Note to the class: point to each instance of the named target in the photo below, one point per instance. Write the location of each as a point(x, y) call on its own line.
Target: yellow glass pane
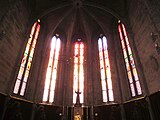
point(20, 73)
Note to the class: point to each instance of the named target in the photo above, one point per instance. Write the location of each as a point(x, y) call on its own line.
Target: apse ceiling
point(78, 18)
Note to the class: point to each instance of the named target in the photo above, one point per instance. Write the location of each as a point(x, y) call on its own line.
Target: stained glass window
point(132, 74)
point(78, 77)
point(24, 70)
point(106, 81)
point(51, 74)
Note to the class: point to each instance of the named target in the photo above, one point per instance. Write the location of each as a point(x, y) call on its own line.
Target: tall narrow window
point(78, 78)
point(106, 80)
point(51, 74)
point(133, 78)
point(24, 70)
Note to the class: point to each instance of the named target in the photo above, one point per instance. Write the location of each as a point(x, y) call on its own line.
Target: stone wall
point(144, 19)
point(13, 24)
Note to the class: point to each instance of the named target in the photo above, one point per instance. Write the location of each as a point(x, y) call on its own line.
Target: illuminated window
point(51, 74)
point(106, 80)
point(24, 70)
point(133, 78)
point(78, 77)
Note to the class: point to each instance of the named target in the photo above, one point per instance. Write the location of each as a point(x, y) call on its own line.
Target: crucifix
point(78, 104)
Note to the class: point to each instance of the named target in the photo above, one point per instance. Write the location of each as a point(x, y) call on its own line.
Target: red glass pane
point(24, 59)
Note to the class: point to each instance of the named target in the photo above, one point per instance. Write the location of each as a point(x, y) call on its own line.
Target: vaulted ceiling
point(78, 18)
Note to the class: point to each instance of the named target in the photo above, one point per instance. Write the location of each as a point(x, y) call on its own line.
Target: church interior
point(79, 60)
